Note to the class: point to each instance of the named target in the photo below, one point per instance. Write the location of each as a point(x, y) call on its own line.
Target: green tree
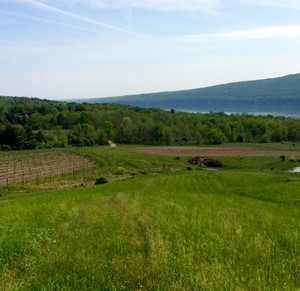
point(157, 134)
point(126, 130)
point(85, 131)
point(14, 136)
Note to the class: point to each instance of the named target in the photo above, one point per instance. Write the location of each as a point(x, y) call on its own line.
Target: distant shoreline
point(263, 113)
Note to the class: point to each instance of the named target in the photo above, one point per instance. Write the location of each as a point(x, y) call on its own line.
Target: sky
point(69, 49)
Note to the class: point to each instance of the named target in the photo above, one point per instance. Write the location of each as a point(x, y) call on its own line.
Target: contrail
point(47, 7)
point(38, 19)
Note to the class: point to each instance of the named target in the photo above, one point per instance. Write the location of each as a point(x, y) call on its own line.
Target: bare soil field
point(213, 151)
point(26, 166)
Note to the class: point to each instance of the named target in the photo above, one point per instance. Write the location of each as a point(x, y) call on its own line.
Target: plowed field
point(214, 151)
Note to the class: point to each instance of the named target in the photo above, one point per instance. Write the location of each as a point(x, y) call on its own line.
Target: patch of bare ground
point(26, 166)
point(230, 150)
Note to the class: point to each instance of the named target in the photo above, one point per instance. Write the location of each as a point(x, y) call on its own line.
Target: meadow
point(158, 224)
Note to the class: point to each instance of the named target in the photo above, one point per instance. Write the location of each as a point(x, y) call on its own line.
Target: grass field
point(155, 226)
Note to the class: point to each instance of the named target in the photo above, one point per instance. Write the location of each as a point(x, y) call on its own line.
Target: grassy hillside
point(163, 228)
point(279, 95)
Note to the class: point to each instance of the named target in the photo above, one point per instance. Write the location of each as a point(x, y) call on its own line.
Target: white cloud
point(292, 4)
point(163, 5)
point(286, 31)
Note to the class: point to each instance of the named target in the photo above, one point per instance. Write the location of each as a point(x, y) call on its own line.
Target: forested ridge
point(280, 94)
point(29, 123)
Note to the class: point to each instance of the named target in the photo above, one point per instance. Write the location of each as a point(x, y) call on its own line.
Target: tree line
point(30, 123)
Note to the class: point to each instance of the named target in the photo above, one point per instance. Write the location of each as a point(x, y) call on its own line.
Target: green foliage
point(32, 123)
point(14, 136)
point(101, 180)
point(120, 171)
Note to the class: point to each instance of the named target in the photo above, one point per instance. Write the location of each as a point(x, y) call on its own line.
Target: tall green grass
point(128, 157)
point(283, 146)
point(188, 230)
point(259, 163)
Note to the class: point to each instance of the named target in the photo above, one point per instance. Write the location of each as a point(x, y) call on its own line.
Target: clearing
point(227, 150)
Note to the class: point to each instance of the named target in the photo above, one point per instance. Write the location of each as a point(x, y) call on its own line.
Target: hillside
point(278, 95)
point(159, 223)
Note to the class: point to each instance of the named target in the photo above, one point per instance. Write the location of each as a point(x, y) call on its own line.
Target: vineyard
point(30, 165)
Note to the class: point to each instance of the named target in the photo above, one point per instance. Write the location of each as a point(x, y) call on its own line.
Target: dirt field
point(214, 151)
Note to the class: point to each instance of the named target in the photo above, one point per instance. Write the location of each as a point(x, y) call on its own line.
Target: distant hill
point(280, 95)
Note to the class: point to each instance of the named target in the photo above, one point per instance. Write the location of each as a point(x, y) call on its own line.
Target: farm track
point(213, 151)
point(21, 167)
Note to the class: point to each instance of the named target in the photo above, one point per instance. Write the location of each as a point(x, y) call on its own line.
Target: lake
point(284, 114)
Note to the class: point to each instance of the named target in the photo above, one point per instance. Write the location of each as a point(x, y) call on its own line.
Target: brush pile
point(205, 162)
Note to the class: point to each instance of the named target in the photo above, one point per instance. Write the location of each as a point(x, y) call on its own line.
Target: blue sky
point(60, 49)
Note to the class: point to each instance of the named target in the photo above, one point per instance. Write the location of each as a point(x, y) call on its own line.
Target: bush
point(101, 180)
point(133, 173)
point(5, 147)
point(120, 171)
point(144, 172)
point(282, 157)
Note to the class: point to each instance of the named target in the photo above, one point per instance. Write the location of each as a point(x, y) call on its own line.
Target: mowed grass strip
point(177, 231)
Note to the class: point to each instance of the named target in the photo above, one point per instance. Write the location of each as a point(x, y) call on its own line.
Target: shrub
point(133, 173)
point(101, 180)
point(5, 147)
point(120, 171)
point(143, 172)
point(239, 139)
point(282, 157)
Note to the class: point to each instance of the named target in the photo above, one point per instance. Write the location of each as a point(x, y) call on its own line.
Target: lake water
point(284, 114)
point(295, 170)
point(293, 115)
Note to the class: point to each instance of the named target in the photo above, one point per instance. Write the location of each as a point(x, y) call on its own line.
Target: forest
point(31, 123)
point(268, 95)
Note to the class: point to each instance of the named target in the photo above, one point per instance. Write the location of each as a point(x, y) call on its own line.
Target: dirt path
point(213, 151)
